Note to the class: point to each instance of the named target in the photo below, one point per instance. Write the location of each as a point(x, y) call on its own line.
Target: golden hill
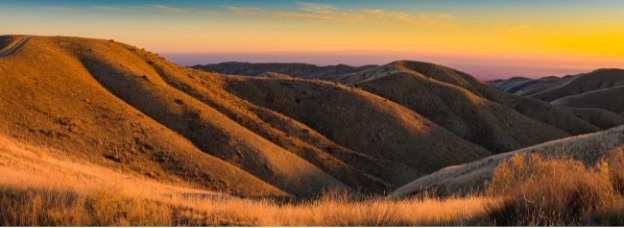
point(104, 102)
point(50, 98)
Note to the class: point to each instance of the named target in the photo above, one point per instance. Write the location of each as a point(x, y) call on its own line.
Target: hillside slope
point(526, 86)
point(57, 103)
point(470, 108)
point(360, 121)
point(105, 103)
point(463, 178)
point(607, 99)
point(29, 166)
point(596, 80)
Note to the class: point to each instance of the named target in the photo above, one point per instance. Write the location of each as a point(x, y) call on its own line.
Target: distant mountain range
point(300, 70)
point(597, 89)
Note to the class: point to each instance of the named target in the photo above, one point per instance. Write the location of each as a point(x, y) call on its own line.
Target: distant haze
point(482, 68)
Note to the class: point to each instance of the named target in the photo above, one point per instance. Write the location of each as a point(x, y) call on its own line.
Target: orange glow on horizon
point(578, 34)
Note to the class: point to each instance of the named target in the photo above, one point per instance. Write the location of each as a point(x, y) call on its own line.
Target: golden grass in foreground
point(51, 207)
point(40, 187)
point(526, 190)
point(541, 191)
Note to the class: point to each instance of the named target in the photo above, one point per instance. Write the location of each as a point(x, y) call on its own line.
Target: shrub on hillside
point(558, 191)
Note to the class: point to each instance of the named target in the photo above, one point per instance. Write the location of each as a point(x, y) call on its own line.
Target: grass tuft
point(540, 191)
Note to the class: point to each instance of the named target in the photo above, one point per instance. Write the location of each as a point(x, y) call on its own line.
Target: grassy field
point(40, 187)
point(51, 207)
point(528, 189)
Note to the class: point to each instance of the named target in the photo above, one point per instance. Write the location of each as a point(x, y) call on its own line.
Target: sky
point(488, 38)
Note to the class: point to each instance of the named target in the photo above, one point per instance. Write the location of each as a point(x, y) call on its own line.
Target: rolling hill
point(360, 121)
point(300, 70)
point(59, 104)
point(485, 116)
point(595, 89)
point(473, 109)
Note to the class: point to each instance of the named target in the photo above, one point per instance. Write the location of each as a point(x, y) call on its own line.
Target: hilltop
point(300, 70)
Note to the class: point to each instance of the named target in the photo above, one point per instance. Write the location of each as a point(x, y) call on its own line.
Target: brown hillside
point(527, 86)
point(84, 65)
point(462, 105)
point(600, 79)
point(352, 168)
point(300, 70)
point(511, 84)
point(140, 85)
point(608, 99)
point(541, 111)
point(360, 121)
point(25, 166)
point(49, 98)
point(600, 117)
point(596, 89)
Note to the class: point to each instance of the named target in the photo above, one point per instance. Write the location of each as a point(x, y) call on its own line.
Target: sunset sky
point(492, 39)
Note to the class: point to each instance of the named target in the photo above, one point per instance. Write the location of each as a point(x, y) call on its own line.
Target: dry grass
point(559, 191)
point(42, 188)
point(52, 207)
point(339, 210)
point(527, 189)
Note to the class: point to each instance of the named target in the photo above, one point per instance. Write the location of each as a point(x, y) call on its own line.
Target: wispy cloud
point(168, 9)
point(61, 8)
point(157, 8)
point(517, 30)
point(210, 12)
point(317, 8)
point(323, 12)
point(248, 11)
point(110, 8)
